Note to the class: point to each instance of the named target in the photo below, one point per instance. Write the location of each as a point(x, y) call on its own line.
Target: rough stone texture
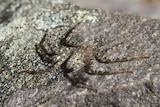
point(28, 80)
point(146, 8)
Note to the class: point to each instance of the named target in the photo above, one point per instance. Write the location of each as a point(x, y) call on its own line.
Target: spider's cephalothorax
point(73, 56)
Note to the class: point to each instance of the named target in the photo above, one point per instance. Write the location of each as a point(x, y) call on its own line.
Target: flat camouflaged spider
point(73, 58)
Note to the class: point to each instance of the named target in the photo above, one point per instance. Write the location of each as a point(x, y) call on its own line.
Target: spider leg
point(95, 72)
point(63, 40)
point(83, 85)
point(126, 59)
point(89, 67)
point(91, 71)
point(79, 82)
point(102, 59)
point(42, 52)
point(118, 45)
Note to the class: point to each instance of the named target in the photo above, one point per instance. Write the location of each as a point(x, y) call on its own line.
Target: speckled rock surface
point(33, 56)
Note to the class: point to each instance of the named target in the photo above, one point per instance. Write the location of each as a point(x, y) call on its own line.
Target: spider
point(75, 57)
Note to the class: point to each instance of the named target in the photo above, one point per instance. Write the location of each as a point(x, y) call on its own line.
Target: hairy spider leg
point(107, 61)
point(63, 40)
point(121, 59)
point(42, 52)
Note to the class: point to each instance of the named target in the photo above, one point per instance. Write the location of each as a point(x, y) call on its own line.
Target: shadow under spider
point(79, 80)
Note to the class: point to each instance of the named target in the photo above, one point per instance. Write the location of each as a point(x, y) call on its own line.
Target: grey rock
point(33, 56)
